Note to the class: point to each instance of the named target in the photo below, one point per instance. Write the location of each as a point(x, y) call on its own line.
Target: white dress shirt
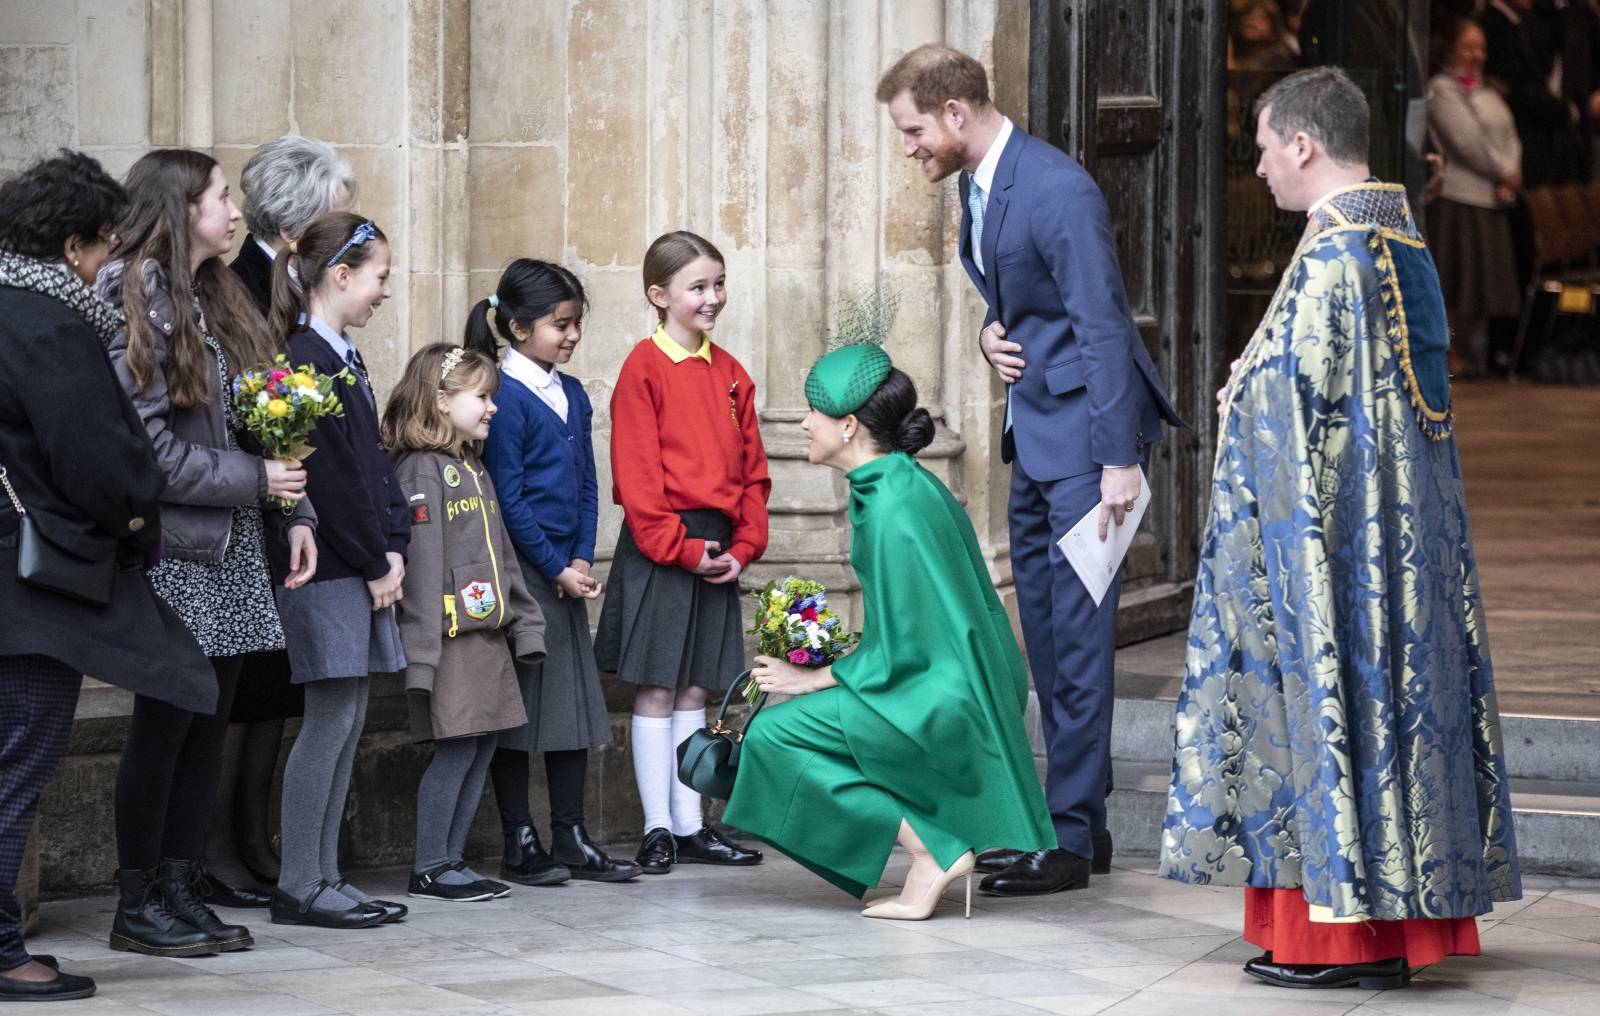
point(983, 179)
point(546, 384)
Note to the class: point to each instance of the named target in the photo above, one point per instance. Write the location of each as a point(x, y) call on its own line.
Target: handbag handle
point(720, 725)
point(21, 511)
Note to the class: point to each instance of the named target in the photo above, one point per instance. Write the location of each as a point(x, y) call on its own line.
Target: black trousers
point(168, 776)
point(564, 776)
point(38, 696)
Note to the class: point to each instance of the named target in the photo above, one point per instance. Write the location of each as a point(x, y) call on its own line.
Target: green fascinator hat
point(842, 381)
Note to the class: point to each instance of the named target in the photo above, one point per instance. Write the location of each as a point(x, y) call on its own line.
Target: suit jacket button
point(135, 524)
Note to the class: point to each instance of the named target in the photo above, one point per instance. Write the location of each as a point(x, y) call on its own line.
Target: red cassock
point(1279, 920)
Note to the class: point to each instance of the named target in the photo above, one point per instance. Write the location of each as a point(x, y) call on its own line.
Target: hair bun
point(915, 432)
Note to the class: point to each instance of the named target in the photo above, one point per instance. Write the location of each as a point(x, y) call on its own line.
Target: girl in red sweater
point(690, 473)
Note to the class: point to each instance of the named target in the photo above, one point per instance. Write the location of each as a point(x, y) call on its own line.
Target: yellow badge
point(452, 476)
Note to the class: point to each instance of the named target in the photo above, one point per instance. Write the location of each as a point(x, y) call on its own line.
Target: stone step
point(1536, 747)
point(1558, 821)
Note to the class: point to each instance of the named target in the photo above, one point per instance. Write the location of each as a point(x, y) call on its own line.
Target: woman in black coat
point(75, 458)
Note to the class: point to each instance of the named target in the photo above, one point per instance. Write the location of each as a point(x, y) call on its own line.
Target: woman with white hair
point(287, 183)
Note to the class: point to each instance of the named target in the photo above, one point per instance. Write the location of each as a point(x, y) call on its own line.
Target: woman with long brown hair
point(191, 328)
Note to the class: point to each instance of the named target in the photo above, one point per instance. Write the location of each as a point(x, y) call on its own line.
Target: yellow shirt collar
point(675, 353)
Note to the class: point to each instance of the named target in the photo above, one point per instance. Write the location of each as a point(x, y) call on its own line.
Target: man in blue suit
point(1083, 406)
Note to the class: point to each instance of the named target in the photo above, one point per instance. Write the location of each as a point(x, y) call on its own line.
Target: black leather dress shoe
point(657, 852)
point(1040, 873)
point(392, 912)
point(288, 910)
point(214, 892)
point(425, 884)
point(578, 856)
point(711, 847)
point(1372, 976)
point(1001, 858)
point(526, 862)
point(59, 988)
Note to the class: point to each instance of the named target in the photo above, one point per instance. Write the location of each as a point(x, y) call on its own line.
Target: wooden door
point(1134, 90)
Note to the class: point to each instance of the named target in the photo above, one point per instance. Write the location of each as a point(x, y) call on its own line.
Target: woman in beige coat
point(465, 610)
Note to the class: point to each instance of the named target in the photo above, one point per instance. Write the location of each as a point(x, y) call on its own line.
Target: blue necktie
point(975, 206)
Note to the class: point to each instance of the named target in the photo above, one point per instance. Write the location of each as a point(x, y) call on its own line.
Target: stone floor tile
point(755, 1002)
point(1022, 983)
point(890, 991)
point(678, 980)
point(549, 987)
point(629, 1005)
point(602, 960)
point(488, 967)
point(1585, 929)
point(969, 1007)
point(237, 1002)
point(1086, 1004)
point(1536, 947)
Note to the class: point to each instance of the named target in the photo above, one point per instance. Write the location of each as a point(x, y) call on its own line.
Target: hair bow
point(363, 233)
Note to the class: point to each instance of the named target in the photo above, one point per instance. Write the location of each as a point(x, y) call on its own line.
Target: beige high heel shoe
point(922, 909)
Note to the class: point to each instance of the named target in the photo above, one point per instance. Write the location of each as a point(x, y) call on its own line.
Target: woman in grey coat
point(190, 329)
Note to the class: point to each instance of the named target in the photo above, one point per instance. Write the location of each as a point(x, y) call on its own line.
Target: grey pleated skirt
point(668, 627)
point(566, 708)
point(333, 631)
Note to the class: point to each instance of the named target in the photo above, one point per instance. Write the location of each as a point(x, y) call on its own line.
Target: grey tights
point(316, 782)
point(447, 801)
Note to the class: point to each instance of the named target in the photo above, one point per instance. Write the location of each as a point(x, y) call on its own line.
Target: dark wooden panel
point(1129, 183)
point(1124, 40)
point(1127, 124)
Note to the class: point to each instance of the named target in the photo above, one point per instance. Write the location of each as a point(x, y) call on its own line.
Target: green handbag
point(708, 759)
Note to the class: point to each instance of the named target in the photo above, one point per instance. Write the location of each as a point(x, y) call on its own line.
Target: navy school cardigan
point(543, 472)
point(361, 510)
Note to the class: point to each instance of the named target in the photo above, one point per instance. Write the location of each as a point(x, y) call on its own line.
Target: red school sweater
point(684, 435)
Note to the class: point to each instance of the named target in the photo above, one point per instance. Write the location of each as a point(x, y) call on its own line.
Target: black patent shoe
point(526, 862)
point(426, 885)
point(288, 910)
point(583, 860)
point(214, 892)
point(1040, 873)
point(1381, 976)
point(392, 912)
point(146, 922)
point(180, 880)
point(708, 846)
point(657, 852)
point(59, 988)
point(1001, 858)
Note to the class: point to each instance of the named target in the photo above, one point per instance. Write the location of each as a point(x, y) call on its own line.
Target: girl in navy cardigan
point(341, 627)
point(541, 459)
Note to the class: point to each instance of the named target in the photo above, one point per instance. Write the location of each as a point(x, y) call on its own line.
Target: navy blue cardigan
point(361, 510)
point(543, 472)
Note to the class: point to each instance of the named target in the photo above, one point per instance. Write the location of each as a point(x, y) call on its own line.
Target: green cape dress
point(927, 720)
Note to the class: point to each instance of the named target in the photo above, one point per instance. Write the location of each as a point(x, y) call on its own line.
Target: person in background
point(1469, 223)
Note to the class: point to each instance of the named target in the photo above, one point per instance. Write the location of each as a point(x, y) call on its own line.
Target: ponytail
point(479, 339)
point(288, 299)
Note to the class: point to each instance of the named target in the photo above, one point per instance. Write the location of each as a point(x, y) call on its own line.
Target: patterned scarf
point(57, 281)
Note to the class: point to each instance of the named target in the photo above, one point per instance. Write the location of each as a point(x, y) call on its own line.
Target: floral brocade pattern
point(1337, 729)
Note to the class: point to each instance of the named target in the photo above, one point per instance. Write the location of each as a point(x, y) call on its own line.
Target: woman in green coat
point(917, 736)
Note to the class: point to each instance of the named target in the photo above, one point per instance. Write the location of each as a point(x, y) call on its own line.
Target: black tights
point(168, 775)
point(564, 774)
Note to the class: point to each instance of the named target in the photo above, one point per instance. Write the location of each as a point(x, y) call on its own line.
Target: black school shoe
point(1001, 858)
point(214, 892)
point(657, 852)
point(59, 988)
point(286, 909)
point(1381, 976)
point(579, 856)
point(708, 846)
point(526, 862)
point(392, 912)
point(424, 885)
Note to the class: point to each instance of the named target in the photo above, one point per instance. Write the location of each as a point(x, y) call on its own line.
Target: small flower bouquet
point(280, 405)
point(794, 622)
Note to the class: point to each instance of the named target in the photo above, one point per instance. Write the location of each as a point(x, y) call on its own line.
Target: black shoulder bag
point(44, 565)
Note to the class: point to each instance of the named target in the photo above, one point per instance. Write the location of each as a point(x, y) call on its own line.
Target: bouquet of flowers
point(794, 621)
point(280, 405)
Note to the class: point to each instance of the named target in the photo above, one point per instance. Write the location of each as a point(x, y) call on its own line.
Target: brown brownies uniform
point(466, 611)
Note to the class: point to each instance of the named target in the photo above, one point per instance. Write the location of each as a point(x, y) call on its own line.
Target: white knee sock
point(687, 818)
point(654, 768)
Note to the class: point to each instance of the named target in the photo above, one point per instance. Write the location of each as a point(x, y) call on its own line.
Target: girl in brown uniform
point(464, 595)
